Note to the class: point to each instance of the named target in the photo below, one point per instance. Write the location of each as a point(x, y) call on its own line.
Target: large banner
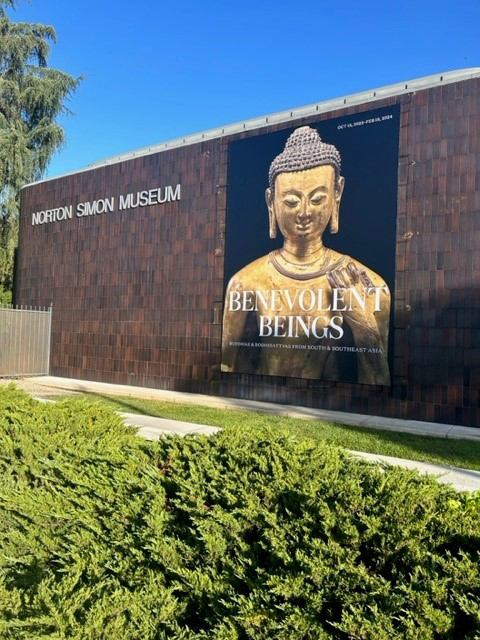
point(310, 250)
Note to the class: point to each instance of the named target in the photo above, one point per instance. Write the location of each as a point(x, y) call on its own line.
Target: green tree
point(32, 96)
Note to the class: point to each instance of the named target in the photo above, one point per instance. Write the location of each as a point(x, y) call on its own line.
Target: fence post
point(49, 337)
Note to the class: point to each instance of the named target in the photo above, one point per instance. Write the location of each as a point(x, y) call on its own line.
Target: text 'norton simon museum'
point(325, 257)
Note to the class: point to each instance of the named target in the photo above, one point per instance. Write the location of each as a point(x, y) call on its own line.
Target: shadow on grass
point(121, 405)
point(451, 452)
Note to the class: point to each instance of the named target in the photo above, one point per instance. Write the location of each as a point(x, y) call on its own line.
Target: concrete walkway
point(49, 386)
point(153, 428)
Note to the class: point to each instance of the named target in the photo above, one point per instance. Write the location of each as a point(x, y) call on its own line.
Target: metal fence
point(24, 341)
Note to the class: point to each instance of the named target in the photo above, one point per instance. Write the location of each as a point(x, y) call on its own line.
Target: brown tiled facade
point(138, 294)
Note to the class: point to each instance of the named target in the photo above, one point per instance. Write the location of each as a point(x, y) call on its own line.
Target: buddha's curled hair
point(304, 150)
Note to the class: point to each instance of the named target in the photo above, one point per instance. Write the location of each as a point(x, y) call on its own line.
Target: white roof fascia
point(362, 97)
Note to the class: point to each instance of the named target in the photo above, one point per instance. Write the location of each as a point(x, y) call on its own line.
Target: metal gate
point(25, 341)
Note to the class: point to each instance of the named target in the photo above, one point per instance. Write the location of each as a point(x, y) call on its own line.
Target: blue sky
point(154, 70)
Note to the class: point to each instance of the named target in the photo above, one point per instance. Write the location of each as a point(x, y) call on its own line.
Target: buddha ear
point(339, 185)
point(272, 218)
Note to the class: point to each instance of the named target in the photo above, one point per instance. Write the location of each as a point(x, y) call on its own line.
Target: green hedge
point(253, 535)
point(5, 297)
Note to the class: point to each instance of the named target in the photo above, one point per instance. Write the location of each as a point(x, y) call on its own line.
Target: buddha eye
point(317, 199)
point(291, 202)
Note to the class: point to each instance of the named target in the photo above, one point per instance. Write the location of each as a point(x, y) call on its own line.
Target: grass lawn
point(458, 453)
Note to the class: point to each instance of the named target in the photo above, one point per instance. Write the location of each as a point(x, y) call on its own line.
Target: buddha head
point(305, 187)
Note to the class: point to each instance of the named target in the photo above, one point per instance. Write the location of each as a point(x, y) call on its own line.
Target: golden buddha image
point(305, 310)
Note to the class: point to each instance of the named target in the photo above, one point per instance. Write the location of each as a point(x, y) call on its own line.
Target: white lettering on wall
point(145, 198)
point(52, 215)
point(95, 207)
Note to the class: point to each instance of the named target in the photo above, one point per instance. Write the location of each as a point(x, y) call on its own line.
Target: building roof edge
point(370, 95)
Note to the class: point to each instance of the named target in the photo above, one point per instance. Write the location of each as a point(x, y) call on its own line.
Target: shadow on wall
point(443, 352)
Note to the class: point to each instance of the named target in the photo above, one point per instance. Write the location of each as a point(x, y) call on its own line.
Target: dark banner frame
point(368, 145)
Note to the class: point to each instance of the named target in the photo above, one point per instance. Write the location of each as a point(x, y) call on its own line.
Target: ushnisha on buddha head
point(305, 188)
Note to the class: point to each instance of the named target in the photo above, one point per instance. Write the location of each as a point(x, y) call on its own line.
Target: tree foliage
point(32, 96)
point(246, 534)
point(6, 3)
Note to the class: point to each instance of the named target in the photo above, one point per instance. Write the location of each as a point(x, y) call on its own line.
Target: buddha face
point(304, 202)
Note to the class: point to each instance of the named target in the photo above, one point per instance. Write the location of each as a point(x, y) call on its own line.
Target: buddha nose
point(303, 213)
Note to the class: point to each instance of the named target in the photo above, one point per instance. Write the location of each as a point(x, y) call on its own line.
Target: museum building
point(325, 256)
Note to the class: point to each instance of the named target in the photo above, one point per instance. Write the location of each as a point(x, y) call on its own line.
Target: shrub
point(5, 297)
point(236, 536)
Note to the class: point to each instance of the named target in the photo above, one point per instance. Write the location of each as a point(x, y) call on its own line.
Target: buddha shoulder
point(252, 275)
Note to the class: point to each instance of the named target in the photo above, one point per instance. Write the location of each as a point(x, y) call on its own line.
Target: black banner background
point(368, 145)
